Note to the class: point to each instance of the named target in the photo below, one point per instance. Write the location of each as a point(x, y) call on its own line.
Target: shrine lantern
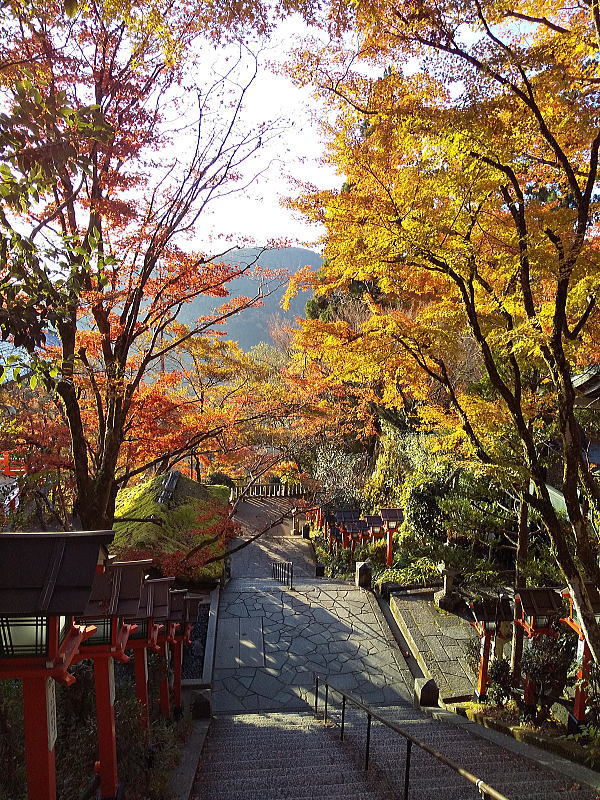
point(45, 581)
point(535, 611)
point(375, 526)
point(490, 613)
point(584, 656)
point(115, 596)
point(342, 519)
point(184, 610)
point(355, 530)
point(150, 619)
point(392, 517)
point(538, 608)
point(162, 613)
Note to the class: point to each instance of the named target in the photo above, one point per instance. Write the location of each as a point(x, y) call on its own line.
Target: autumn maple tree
point(468, 216)
point(98, 209)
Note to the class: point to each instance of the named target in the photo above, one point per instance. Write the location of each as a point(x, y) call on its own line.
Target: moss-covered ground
point(184, 521)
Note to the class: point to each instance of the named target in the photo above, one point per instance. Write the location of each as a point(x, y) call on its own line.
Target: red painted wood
point(105, 716)
point(41, 766)
point(177, 655)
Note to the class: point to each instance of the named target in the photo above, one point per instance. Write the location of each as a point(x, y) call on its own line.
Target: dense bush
point(548, 662)
point(500, 687)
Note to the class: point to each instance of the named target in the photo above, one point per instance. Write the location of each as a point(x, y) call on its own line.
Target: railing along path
point(283, 571)
point(485, 790)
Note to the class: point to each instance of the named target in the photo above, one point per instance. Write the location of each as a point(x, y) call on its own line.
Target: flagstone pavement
point(272, 640)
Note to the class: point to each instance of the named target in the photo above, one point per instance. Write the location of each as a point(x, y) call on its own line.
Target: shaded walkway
point(271, 640)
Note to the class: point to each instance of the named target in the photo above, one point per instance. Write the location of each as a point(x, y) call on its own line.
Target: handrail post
point(326, 700)
point(316, 695)
point(368, 743)
point(407, 768)
point(343, 717)
point(291, 574)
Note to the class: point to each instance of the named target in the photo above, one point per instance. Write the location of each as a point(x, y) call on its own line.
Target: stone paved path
point(271, 640)
point(277, 544)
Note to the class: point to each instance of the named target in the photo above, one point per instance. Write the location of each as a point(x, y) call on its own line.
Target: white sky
point(257, 213)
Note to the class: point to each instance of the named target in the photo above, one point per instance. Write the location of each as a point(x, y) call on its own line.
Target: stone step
point(346, 791)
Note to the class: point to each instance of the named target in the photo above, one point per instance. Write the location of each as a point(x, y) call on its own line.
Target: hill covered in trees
point(252, 326)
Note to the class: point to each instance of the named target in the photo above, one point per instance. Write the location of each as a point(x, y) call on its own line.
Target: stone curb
point(183, 776)
point(394, 646)
point(548, 761)
point(209, 648)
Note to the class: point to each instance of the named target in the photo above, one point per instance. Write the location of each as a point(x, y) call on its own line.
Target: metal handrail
point(283, 571)
point(485, 790)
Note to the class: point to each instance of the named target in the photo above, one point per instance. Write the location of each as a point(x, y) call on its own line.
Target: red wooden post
point(165, 692)
point(140, 667)
point(389, 556)
point(482, 678)
point(344, 536)
point(104, 678)
point(177, 654)
point(39, 710)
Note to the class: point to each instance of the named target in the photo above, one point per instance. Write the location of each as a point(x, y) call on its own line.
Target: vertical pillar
point(39, 712)
point(177, 655)
point(140, 668)
point(165, 692)
point(104, 678)
point(484, 659)
point(344, 537)
point(578, 715)
point(389, 555)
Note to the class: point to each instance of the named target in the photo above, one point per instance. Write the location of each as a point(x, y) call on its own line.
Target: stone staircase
point(278, 756)
point(293, 756)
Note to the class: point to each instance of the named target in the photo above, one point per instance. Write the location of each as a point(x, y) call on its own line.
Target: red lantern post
point(392, 517)
point(577, 717)
point(115, 595)
point(535, 610)
point(154, 606)
point(489, 613)
point(45, 580)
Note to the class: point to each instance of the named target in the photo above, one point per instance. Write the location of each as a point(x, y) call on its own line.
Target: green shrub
point(500, 686)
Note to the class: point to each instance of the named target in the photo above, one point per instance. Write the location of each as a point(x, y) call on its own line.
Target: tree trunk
point(521, 562)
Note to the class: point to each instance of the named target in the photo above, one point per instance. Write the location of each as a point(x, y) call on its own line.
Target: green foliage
point(193, 507)
point(12, 747)
point(220, 479)
point(500, 687)
point(548, 662)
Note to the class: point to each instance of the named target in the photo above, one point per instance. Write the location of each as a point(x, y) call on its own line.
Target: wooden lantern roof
point(346, 516)
point(391, 514)
point(49, 574)
point(155, 599)
point(540, 602)
point(593, 593)
point(492, 609)
point(356, 526)
point(374, 520)
point(117, 590)
point(177, 605)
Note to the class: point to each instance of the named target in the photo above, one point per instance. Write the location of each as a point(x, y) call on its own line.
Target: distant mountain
point(252, 326)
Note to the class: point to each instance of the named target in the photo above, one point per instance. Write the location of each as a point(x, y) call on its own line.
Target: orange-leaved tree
point(102, 210)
